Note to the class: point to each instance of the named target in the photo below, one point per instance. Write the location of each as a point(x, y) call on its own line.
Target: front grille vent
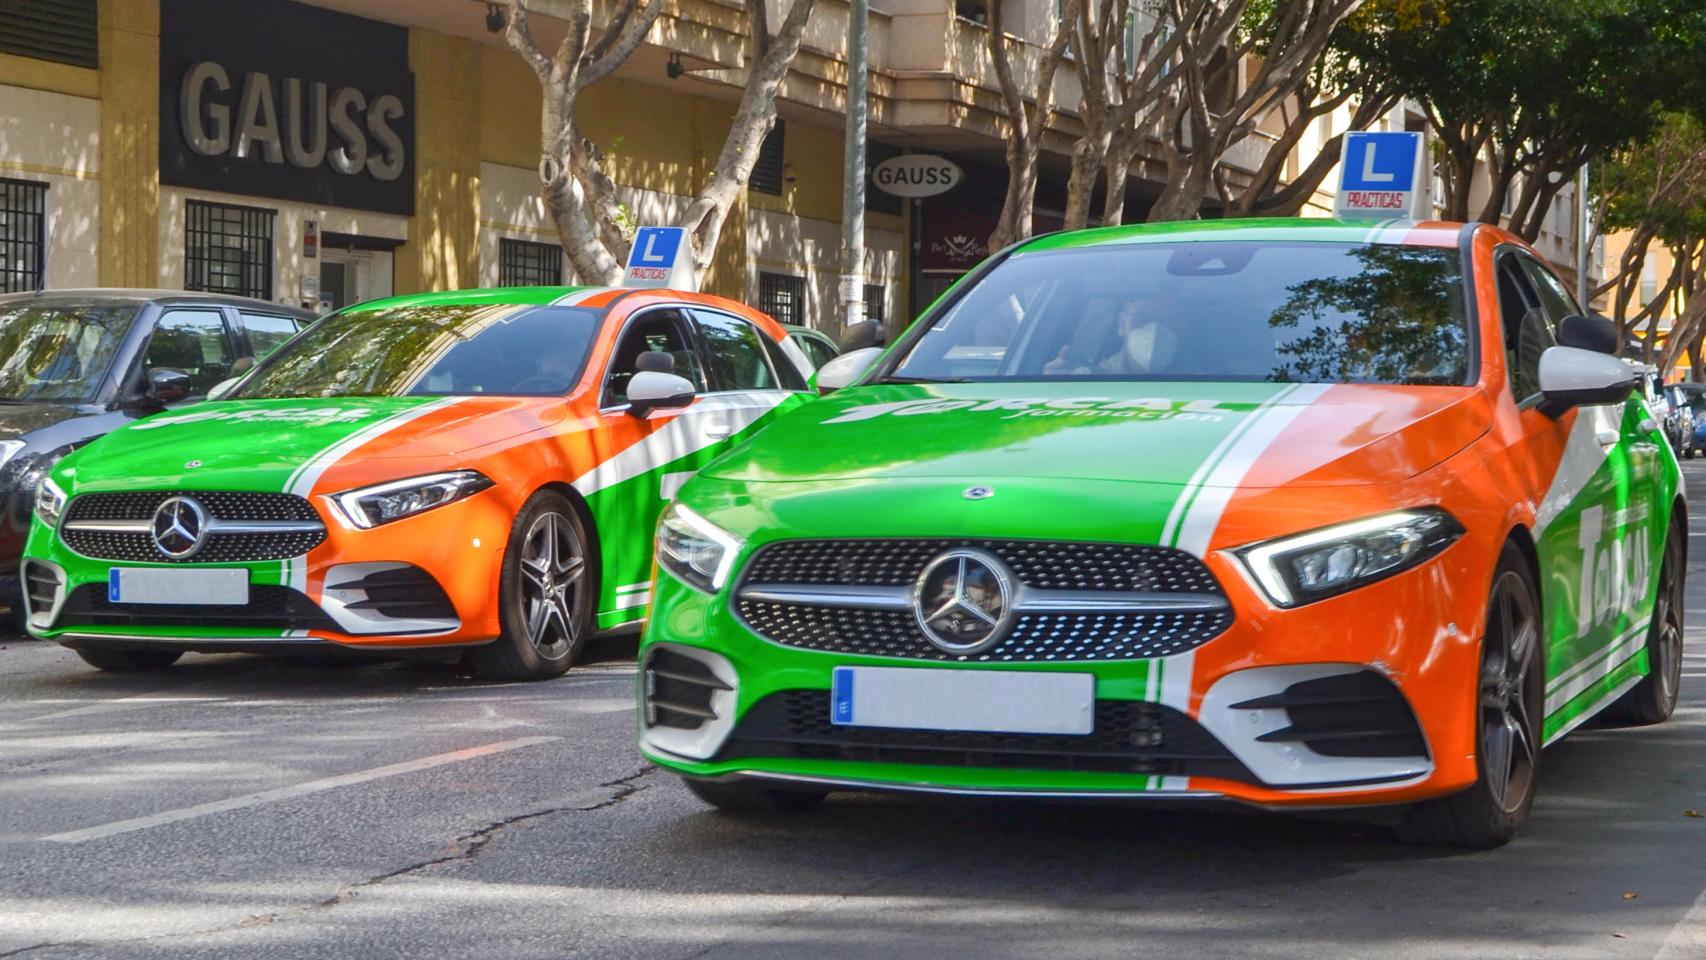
point(400, 593)
point(1359, 714)
point(680, 691)
point(41, 584)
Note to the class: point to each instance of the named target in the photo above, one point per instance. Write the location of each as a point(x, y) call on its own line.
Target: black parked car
point(75, 364)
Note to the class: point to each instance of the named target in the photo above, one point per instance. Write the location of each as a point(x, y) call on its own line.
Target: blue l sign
point(656, 246)
point(1379, 176)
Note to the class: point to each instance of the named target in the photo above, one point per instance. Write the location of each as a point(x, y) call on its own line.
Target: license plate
point(155, 585)
point(974, 700)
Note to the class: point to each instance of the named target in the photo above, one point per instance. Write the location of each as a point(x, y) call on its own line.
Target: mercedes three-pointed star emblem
point(179, 527)
point(964, 601)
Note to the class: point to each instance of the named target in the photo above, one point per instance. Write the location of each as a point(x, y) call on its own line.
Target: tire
point(1509, 710)
point(752, 798)
point(547, 593)
point(1653, 700)
point(128, 661)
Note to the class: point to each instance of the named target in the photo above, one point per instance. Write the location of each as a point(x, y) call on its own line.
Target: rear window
point(58, 353)
point(1234, 311)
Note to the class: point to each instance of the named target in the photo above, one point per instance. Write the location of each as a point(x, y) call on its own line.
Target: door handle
point(718, 431)
point(1606, 438)
point(1647, 426)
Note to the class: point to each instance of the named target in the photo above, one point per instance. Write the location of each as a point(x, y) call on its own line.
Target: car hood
point(17, 419)
point(262, 444)
point(1168, 433)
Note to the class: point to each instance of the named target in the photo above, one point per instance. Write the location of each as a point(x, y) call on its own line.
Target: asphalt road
point(242, 807)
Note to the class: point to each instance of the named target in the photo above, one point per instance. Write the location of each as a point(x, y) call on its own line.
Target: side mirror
point(165, 385)
point(1572, 377)
point(868, 333)
point(1588, 333)
point(222, 388)
point(651, 390)
point(846, 368)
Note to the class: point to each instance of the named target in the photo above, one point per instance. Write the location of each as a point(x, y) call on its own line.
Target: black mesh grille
point(679, 690)
point(42, 583)
point(1129, 737)
point(219, 548)
point(403, 593)
point(1035, 637)
point(268, 607)
point(1359, 714)
point(1042, 564)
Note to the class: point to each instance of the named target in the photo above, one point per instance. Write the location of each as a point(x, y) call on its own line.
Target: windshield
point(1237, 311)
point(58, 353)
point(443, 350)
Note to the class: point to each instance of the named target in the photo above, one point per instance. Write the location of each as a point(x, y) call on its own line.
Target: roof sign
point(1384, 175)
point(660, 257)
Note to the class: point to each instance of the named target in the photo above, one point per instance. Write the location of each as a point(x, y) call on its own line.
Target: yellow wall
point(443, 252)
point(129, 89)
point(18, 71)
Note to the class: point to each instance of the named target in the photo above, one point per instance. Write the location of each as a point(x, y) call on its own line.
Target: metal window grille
point(23, 234)
point(782, 296)
point(874, 302)
point(63, 31)
point(228, 249)
point(523, 263)
point(767, 171)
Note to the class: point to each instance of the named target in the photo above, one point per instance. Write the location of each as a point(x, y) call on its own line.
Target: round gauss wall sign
point(916, 175)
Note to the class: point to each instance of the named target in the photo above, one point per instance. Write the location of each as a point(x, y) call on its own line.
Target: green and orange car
point(469, 473)
point(1294, 513)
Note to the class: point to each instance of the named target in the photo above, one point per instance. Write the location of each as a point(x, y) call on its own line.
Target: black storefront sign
point(272, 98)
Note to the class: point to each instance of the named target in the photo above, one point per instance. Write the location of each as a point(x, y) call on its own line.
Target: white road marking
point(110, 706)
point(288, 793)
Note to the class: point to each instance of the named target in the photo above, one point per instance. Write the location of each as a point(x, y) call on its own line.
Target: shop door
point(351, 276)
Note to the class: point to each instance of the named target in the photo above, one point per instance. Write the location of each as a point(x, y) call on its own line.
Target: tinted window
point(816, 350)
point(267, 332)
point(660, 331)
point(1236, 311)
point(1528, 329)
point(193, 341)
point(1553, 297)
point(439, 350)
point(787, 374)
point(58, 353)
point(737, 358)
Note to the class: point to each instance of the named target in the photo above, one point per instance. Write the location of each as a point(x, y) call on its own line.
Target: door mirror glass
point(1588, 333)
point(1571, 376)
point(846, 368)
point(651, 390)
point(166, 385)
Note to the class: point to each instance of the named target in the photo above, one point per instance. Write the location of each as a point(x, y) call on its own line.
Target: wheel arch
point(1679, 521)
point(1523, 538)
point(595, 544)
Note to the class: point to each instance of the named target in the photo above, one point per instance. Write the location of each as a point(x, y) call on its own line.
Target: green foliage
point(1659, 184)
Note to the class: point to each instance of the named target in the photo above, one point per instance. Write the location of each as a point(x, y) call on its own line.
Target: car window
point(467, 349)
point(59, 352)
point(787, 373)
point(818, 352)
point(1556, 300)
point(267, 332)
point(1528, 330)
point(195, 342)
point(658, 331)
point(1263, 311)
point(738, 360)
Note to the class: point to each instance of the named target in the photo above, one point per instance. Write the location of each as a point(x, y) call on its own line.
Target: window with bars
point(63, 31)
point(228, 249)
point(523, 263)
point(23, 234)
point(783, 297)
point(767, 170)
point(874, 301)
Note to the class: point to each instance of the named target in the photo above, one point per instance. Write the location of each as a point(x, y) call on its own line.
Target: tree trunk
point(1122, 149)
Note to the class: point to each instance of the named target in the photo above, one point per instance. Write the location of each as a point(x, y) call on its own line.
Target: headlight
point(50, 502)
point(695, 549)
point(1307, 567)
point(368, 507)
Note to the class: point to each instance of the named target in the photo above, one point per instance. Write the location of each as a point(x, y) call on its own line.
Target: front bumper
point(1269, 713)
point(428, 581)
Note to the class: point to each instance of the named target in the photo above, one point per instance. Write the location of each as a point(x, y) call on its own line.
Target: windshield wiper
point(893, 379)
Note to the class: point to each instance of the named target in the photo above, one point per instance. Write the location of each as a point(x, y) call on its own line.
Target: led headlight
point(382, 503)
point(1311, 566)
point(694, 549)
point(50, 502)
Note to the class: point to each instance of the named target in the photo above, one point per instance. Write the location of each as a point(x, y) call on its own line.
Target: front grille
point(401, 593)
point(138, 547)
point(1129, 737)
point(269, 607)
point(1080, 568)
point(1360, 714)
point(679, 691)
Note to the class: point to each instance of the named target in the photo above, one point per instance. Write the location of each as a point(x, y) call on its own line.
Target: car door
point(196, 340)
point(1601, 534)
point(751, 376)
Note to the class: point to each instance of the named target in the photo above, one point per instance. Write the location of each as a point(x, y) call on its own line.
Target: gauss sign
point(916, 175)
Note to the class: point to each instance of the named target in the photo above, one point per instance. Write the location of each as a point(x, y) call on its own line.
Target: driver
point(1144, 344)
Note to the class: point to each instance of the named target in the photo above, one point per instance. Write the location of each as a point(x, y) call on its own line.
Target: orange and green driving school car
point(478, 471)
point(1295, 513)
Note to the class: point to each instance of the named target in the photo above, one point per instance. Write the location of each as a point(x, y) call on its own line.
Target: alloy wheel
point(1509, 711)
point(1667, 652)
point(552, 565)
